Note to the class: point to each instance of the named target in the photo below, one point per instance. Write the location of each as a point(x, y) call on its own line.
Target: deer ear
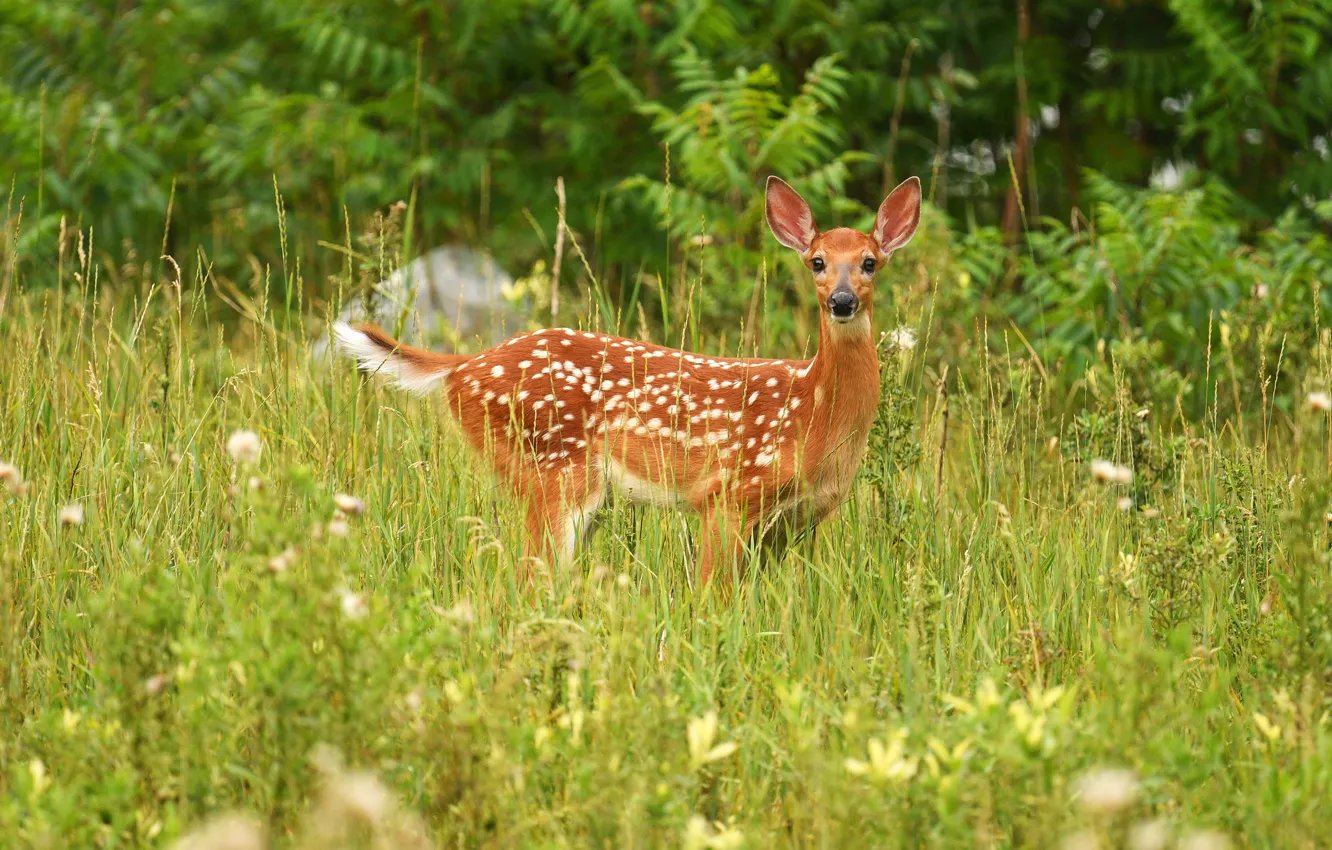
point(898, 216)
point(789, 217)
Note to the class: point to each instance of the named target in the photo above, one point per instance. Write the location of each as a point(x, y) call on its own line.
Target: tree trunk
point(1022, 142)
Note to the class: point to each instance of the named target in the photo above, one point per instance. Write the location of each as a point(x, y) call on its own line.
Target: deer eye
point(868, 266)
point(817, 264)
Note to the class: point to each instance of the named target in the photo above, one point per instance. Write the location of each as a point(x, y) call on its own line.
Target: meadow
point(252, 598)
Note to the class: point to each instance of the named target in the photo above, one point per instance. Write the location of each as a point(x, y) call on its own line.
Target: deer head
point(844, 260)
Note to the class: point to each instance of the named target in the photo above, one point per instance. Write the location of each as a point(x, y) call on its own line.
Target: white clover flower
point(245, 447)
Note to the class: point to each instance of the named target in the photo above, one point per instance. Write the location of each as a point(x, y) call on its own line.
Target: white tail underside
point(374, 359)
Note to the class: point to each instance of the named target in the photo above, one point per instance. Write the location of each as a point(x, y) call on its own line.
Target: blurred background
point(1142, 172)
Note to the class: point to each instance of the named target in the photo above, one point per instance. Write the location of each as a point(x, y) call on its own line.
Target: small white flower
point(1260, 291)
point(244, 447)
point(337, 528)
point(622, 579)
point(1108, 791)
point(71, 514)
point(1320, 402)
point(156, 684)
point(348, 504)
point(1125, 503)
point(353, 606)
point(902, 339)
point(1106, 472)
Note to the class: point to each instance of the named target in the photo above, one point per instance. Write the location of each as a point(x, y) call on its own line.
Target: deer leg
point(561, 510)
point(721, 546)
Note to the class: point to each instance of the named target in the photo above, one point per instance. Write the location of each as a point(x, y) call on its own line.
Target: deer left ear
point(898, 216)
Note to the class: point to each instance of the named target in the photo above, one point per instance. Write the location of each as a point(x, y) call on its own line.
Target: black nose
point(843, 303)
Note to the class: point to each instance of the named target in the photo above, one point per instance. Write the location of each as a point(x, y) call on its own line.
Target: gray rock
point(452, 292)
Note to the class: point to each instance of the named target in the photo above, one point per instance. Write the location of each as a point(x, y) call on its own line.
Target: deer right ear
point(789, 217)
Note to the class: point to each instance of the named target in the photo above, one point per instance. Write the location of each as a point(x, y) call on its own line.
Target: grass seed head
point(245, 447)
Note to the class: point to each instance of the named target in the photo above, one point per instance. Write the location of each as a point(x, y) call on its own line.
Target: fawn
point(758, 447)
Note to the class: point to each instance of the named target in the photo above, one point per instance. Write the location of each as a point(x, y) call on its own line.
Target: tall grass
point(963, 656)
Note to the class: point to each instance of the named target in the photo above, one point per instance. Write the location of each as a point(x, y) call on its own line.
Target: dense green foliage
point(116, 115)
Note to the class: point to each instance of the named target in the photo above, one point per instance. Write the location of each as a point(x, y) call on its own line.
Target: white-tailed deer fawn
point(567, 416)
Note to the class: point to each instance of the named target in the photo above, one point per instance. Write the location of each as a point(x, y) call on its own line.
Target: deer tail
point(412, 369)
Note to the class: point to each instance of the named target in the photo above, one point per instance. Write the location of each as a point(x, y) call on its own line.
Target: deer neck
point(844, 384)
